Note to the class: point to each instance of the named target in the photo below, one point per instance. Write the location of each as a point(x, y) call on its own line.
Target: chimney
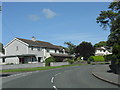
point(33, 38)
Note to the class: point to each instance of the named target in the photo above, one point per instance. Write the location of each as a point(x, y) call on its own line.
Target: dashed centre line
point(52, 79)
point(55, 87)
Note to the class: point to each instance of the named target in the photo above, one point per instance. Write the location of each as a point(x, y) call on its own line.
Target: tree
point(100, 44)
point(1, 48)
point(0, 8)
point(111, 19)
point(85, 49)
point(71, 47)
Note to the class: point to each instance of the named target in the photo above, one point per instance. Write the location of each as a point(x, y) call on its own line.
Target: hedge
point(48, 60)
point(96, 58)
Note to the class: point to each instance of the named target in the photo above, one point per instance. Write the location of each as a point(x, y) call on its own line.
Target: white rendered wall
point(14, 60)
point(11, 48)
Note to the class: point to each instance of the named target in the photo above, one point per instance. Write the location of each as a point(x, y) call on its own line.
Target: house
point(20, 51)
point(101, 51)
point(2, 61)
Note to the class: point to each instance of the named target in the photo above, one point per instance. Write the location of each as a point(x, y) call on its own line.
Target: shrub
point(96, 59)
point(79, 59)
point(70, 61)
point(9, 63)
point(108, 57)
point(48, 60)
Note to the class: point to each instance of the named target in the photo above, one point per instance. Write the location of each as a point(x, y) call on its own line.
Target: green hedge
point(108, 57)
point(48, 60)
point(96, 59)
point(71, 61)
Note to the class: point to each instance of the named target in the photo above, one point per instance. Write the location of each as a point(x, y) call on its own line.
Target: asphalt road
point(69, 77)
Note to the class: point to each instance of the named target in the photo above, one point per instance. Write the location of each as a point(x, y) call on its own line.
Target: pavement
point(101, 72)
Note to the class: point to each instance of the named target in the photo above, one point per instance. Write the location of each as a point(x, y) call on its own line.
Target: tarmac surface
point(102, 72)
point(69, 77)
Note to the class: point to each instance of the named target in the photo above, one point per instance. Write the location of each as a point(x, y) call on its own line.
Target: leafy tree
point(85, 49)
point(1, 48)
point(48, 60)
point(0, 8)
point(71, 47)
point(100, 44)
point(111, 19)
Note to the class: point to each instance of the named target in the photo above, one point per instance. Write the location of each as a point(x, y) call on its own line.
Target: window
point(3, 60)
point(55, 51)
point(39, 59)
point(32, 59)
point(39, 49)
point(16, 48)
point(31, 48)
point(48, 50)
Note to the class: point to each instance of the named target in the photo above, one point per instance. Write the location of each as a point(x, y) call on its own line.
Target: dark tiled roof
point(100, 49)
point(59, 55)
point(40, 44)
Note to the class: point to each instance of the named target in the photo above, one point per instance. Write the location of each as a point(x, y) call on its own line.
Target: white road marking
point(57, 74)
point(52, 79)
point(55, 87)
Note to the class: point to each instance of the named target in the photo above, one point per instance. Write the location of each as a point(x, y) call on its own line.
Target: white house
point(103, 51)
point(2, 61)
point(20, 51)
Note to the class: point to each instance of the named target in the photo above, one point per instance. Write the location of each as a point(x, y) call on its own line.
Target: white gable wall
point(11, 49)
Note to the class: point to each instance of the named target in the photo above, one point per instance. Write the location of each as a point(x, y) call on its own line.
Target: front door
point(39, 59)
point(21, 60)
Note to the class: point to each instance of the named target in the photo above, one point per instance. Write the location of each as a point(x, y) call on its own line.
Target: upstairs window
point(39, 49)
point(48, 50)
point(55, 51)
point(31, 48)
point(16, 48)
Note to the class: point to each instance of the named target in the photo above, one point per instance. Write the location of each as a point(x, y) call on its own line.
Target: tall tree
point(85, 49)
point(0, 8)
point(1, 48)
point(71, 47)
point(100, 44)
point(111, 19)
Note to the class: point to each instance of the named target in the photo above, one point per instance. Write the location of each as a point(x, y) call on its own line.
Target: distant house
point(101, 51)
point(20, 51)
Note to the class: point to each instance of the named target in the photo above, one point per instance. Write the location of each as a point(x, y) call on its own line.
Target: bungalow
point(20, 51)
point(101, 51)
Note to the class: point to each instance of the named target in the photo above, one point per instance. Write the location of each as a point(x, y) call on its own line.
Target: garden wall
point(59, 63)
point(18, 66)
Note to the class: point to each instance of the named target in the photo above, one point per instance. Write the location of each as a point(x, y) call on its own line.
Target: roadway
point(69, 77)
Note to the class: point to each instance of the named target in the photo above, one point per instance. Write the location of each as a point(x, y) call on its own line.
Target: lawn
point(38, 68)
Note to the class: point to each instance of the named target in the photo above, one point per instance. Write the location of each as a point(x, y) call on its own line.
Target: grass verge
point(38, 68)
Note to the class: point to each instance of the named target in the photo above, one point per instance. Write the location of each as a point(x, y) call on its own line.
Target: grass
point(38, 68)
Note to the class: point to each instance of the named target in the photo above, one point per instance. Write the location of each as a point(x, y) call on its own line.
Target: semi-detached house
point(20, 51)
